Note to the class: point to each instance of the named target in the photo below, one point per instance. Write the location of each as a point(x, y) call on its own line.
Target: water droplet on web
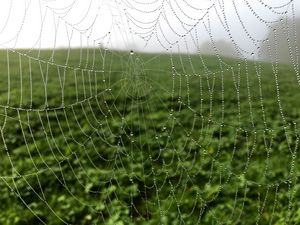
point(131, 52)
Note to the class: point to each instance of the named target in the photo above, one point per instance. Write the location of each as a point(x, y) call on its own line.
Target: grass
point(104, 137)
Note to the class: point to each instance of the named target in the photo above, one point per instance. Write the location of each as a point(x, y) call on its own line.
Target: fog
point(283, 42)
point(235, 28)
point(220, 47)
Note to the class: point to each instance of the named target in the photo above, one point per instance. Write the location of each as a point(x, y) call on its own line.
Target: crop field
point(95, 136)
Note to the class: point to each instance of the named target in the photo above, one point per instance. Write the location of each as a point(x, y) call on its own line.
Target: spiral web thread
point(160, 138)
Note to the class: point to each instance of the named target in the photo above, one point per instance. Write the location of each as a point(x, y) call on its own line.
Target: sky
point(140, 25)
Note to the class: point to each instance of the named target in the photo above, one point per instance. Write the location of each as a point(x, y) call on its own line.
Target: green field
point(90, 136)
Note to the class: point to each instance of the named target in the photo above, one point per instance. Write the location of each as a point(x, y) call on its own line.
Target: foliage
point(147, 139)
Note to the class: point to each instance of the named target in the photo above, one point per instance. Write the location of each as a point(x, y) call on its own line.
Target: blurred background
point(229, 28)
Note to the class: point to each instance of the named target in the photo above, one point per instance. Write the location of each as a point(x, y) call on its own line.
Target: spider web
point(136, 112)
